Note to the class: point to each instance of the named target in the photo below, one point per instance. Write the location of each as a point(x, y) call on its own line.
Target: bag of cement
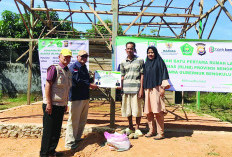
point(116, 141)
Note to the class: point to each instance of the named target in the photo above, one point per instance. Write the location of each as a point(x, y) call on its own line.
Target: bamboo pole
point(224, 9)
point(99, 18)
point(30, 60)
point(140, 14)
point(97, 30)
point(169, 27)
point(114, 35)
point(215, 22)
point(119, 13)
point(201, 17)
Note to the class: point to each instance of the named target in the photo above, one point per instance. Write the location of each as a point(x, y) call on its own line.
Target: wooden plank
point(119, 13)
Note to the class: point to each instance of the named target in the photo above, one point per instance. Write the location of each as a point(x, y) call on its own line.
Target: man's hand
point(140, 96)
point(120, 88)
point(66, 109)
point(162, 91)
point(49, 109)
point(93, 86)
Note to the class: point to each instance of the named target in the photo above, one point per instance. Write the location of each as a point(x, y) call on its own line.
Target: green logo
point(59, 44)
point(187, 49)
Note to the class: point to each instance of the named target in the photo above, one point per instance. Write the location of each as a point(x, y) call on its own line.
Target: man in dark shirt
point(78, 100)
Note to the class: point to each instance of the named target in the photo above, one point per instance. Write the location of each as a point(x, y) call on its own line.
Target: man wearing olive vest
point(55, 102)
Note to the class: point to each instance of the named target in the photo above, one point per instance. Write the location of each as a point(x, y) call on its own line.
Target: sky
point(222, 30)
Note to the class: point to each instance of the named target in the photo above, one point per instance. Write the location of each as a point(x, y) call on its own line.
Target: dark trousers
point(51, 129)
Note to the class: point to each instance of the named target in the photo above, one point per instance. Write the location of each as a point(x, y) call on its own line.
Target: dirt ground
point(200, 136)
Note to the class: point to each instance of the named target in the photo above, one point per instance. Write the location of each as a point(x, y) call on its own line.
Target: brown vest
point(60, 88)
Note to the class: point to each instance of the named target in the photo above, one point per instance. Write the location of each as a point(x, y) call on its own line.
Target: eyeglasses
point(84, 56)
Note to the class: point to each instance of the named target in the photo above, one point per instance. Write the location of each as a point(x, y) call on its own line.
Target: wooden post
point(30, 61)
point(198, 94)
point(182, 98)
point(114, 35)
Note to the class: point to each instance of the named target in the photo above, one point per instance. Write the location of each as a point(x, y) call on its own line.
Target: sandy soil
point(215, 140)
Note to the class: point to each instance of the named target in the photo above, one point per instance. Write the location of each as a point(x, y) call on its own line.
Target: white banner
point(108, 79)
point(49, 50)
point(193, 65)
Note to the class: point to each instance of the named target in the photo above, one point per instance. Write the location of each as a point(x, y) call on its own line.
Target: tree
point(92, 32)
point(12, 26)
point(154, 31)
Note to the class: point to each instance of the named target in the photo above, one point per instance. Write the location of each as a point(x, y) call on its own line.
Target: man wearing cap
point(55, 102)
point(78, 100)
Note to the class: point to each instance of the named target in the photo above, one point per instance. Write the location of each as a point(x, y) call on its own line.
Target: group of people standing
point(138, 78)
point(65, 86)
point(71, 86)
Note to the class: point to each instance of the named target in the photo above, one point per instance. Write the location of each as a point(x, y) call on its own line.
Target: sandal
point(149, 134)
point(159, 137)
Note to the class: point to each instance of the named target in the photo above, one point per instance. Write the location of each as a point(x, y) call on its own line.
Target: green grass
point(215, 104)
point(21, 99)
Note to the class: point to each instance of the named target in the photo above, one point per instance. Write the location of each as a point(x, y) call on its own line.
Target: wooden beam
point(33, 13)
point(99, 18)
point(135, 24)
point(204, 26)
point(230, 2)
point(18, 39)
point(203, 16)
point(67, 2)
point(200, 21)
point(28, 31)
point(224, 9)
point(129, 4)
point(215, 22)
point(145, 26)
point(140, 14)
point(119, 13)
point(187, 18)
point(165, 9)
point(30, 60)
point(197, 31)
point(47, 13)
point(98, 30)
point(169, 27)
point(56, 26)
point(28, 18)
point(113, 67)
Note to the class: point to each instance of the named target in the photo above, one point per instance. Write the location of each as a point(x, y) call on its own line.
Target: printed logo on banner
point(169, 45)
point(211, 49)
point(201, 48)
point(187, 50)
point(216, 49)
point(65, 43)
point(152, 43)
point(169, 50)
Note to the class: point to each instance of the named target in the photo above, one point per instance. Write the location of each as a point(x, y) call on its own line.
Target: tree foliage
point(92, 32)
point(12, 26)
